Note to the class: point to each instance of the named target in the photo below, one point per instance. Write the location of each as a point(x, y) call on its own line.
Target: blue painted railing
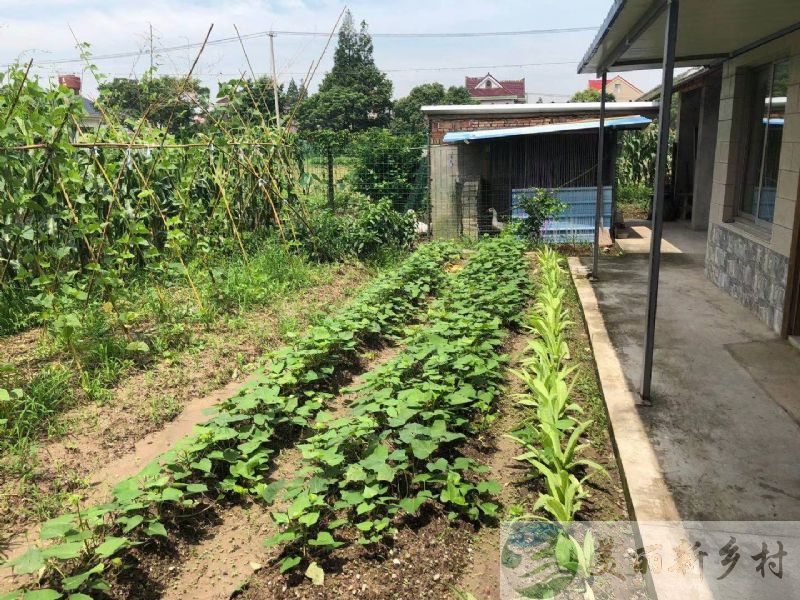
point(576, 223)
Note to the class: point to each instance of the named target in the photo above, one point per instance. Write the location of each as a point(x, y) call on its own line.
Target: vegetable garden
point(398, 455)
point(404, 399)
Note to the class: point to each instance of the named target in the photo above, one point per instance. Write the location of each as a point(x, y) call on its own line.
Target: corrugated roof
point(634, 122)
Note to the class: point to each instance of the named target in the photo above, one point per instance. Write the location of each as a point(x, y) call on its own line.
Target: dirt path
point(481, 577)
point(227, 555)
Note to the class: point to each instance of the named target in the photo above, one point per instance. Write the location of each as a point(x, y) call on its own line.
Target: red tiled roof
point(512, 87)
point(596, 83)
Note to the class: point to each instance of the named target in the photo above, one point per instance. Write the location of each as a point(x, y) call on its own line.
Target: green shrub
point(387, 166)
point(539, 205)
point(365, 230)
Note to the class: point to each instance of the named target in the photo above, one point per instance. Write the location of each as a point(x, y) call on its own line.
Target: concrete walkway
point(721, 440)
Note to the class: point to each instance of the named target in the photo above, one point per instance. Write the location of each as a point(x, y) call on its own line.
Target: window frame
point(753, 217)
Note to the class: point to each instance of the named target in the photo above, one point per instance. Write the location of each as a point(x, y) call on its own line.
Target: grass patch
point(27, 408)
point(634, 201)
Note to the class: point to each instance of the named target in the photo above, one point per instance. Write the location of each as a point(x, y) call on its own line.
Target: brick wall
point(440, 125)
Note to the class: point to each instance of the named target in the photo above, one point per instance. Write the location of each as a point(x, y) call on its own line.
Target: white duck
point(420, 227)
point(496, 224)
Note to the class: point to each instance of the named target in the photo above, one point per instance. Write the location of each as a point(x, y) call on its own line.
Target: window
point(768, 102)
point(617, 88)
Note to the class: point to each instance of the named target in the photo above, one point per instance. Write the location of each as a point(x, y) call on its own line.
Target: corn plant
point(551, 433)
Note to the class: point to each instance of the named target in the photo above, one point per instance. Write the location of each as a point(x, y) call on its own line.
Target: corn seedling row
point(231, 455)
point(551, 434)
point(398, 448)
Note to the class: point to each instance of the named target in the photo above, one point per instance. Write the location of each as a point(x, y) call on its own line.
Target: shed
point(474, 169)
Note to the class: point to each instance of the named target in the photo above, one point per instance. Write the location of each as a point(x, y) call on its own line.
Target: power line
point(232, 39)
point(398, 70)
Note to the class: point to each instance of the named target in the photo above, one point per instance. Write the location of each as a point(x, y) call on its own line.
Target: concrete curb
point(650, 501)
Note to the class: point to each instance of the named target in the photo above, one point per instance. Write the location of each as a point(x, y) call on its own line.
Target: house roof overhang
point(615, 123)
point(455, 111)
point(709, 31)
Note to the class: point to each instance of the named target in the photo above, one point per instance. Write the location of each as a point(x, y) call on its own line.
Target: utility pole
point(274, 79)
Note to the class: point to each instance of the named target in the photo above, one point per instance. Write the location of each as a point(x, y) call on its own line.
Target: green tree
point(408, 117)
point(387, 165)
point(251, 101)
point(291, 97)
point(355, 95)
point(167, 101)
point(590, 95)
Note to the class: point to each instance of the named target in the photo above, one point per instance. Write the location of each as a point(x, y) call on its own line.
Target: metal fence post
point(598, 216)
point(670, 37)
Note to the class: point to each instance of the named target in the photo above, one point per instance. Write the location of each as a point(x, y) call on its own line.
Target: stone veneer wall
point(750, 272)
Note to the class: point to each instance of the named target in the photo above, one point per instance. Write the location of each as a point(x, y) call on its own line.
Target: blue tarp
point(634, 122)
point(576, 222)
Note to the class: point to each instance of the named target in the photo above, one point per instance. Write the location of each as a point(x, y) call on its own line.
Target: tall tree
point(354, 85)
point(166, 101)
point(252, 101)
point(590, 95)
point(408, 117)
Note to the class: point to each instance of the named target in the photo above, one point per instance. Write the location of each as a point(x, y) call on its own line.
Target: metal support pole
point(598, 213)
point(670, 37)
point(274, 79)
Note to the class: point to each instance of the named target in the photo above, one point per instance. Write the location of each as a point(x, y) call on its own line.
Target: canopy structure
point(649, 34)
point(619, 123)
point(708, 31)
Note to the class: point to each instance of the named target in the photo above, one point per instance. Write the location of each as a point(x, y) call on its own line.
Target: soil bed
point(34, 488)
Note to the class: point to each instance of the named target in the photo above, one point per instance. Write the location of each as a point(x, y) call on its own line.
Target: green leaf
point(203, 465)
point(131, 522)
point(110, 546)
point(42, 595)
point(315, 574)
point(324, 539)
point(137, 347)
point(422, 449)
point(309, 519)
point(30, 562)
point(288, 563)
point(279, 538)
point(156, 528)
point(171, 494)
point(74, 582)
point(64, 551)
point(79, 596)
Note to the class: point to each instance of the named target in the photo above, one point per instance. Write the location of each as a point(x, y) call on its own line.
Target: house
point(739, 122)
point(92, 116)
point(622, 89)
point(490, 90)
point(485, 157)
point(694, 325)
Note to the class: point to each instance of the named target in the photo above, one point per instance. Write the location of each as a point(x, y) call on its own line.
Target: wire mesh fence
point(398, 174)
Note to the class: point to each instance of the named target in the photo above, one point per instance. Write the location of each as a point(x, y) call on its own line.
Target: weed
point(29, 408)
point(164, 408)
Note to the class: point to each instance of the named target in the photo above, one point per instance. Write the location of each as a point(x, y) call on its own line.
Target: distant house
point(623, 90)
point(92, 116)
point(490, 90)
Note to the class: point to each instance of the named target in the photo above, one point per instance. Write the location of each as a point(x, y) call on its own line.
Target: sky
point(46, 30)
